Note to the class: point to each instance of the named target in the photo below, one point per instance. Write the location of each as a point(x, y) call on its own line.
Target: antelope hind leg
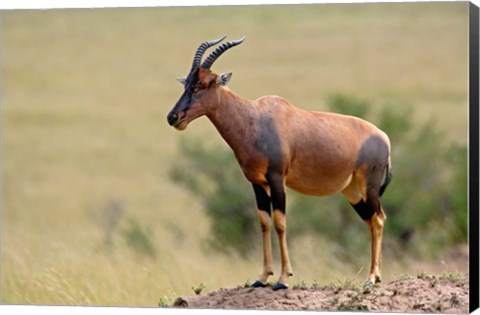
point(375, 225)
point(367, 205)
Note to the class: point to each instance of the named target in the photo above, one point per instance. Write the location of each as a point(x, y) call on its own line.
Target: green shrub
point(139, 239)
point(213, 175)
point(198, 290)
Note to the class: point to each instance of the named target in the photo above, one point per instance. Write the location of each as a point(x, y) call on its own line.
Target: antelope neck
point(233, 117)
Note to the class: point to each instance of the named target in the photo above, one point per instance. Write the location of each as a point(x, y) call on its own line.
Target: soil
point(448, 293)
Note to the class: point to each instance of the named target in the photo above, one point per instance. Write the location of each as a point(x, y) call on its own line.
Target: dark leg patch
point(275, 181)
point(364, 210)
point(262, 198)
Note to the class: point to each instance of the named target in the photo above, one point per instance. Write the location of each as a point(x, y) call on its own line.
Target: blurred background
point(104, 204)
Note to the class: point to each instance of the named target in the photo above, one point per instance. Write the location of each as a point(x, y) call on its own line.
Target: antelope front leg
point(277, 190)
point(265, 223)
point(264, 217)
point(281, 227)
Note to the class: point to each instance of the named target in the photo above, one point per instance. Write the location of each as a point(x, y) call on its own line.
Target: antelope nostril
point(172, 118)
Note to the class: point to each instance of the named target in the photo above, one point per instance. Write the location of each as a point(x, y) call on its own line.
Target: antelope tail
point(388, 177)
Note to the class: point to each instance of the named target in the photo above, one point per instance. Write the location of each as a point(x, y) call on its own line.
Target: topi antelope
point(279, 145)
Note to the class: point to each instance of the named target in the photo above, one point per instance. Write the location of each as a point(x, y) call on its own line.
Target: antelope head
point(199, 85)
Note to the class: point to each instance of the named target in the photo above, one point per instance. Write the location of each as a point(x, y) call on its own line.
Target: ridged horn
point(219, 51)
point(201, 50)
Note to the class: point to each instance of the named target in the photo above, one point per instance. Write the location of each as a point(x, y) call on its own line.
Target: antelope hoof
point(258, 284)
point(369, 283)
point(279, 286)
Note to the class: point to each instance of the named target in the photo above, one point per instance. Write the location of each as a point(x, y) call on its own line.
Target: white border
point(52, 4)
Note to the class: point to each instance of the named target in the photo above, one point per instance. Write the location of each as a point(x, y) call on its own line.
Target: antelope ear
point(224, 78)
point(182, 80)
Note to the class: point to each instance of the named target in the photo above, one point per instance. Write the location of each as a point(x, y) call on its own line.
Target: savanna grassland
point(90, 215)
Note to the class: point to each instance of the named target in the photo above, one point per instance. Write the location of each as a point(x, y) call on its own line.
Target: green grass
point(198, 290)
point(84, 99)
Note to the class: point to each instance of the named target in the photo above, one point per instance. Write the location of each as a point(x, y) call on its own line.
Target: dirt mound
point(423, 293)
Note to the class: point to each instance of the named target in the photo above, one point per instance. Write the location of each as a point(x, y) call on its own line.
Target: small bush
point(139, 239)
point(198, 290)
point(110, 219)
point(164, 301)
point(213, 175)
